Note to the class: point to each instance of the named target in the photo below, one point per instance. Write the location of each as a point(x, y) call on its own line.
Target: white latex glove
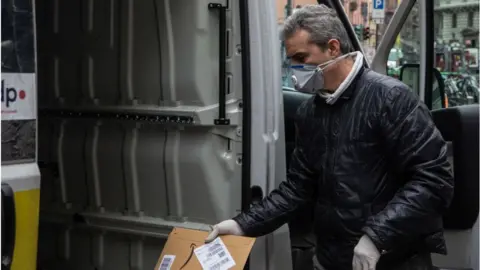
point(225, 227)
point(365, 254)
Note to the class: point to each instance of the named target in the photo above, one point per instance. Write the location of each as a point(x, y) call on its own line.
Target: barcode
point(215, 246)
point(218, 265)
point(214, 250)
point(166, 262)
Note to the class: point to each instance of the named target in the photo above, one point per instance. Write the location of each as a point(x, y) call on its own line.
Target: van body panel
point(129, 148)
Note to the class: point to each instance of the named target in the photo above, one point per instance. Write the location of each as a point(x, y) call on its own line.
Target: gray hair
point(321, 22)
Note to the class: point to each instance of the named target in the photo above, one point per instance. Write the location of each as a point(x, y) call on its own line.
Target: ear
point(334, 48)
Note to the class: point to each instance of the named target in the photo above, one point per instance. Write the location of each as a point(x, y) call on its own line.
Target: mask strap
point(332, 98)
point(324, 65)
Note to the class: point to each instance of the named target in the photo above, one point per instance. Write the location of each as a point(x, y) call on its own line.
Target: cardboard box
point(186, 248)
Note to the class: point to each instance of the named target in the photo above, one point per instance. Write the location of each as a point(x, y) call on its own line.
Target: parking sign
point(378, 4)
point(378, 12)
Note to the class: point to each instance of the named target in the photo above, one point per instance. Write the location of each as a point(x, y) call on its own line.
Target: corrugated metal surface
point(120, 164)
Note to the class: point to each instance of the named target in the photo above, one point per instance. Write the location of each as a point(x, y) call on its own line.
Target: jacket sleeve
point(418, 152)
point(281, 204)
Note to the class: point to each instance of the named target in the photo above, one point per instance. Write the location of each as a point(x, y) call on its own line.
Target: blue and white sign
point(378, 4)
point(378, 12)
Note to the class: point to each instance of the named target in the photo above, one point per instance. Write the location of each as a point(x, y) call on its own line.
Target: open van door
point(412, 24)
point(267, 166)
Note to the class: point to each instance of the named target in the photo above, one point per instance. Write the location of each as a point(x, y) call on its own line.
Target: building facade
point(281, 7)
point(458, 21)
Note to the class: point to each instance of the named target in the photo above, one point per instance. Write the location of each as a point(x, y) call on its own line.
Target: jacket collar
point(348, 93)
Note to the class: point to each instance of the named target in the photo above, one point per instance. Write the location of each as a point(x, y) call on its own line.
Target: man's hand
point(225, 227)
point(365, 255)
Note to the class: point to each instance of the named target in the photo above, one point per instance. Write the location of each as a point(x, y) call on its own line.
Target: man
point(367, 156)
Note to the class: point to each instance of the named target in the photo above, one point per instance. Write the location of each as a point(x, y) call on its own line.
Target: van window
point(456, 54)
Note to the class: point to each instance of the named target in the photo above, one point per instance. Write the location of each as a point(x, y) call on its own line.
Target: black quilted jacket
point(373, 163)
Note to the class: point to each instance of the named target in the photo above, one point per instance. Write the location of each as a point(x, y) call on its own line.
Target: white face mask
point(309, 78)
point(302, 77)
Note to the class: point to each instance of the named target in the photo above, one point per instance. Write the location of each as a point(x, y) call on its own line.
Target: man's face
point(301, 51)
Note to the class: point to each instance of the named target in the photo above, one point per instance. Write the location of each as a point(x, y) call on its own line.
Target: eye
point(299, 58)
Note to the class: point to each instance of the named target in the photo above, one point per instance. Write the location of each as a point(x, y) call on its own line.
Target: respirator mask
point(310, 78)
